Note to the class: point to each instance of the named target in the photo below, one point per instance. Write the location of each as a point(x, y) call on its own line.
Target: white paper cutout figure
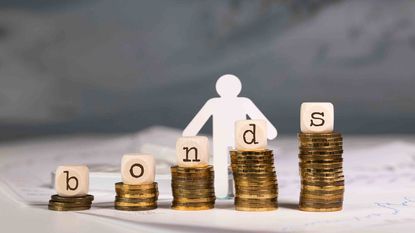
point(225, 110)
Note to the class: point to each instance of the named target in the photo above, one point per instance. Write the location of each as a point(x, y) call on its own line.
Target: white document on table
point(379, 197)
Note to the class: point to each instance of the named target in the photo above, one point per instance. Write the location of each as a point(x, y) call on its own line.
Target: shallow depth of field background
point(120, 66)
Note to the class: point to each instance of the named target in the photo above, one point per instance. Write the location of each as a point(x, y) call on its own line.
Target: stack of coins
point(193, 188)
point(256, 187)
point(60, 203)
point(136, 197)
point(321, 170)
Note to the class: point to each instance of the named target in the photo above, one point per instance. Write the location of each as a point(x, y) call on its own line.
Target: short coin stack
point(256, 187)
point(60, 203)
point(136, 197)
point(193, 188)
point(321, 170)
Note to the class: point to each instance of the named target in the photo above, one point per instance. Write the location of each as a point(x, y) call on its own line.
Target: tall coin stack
point(193, 188)
point(321, 162)
point(256, 186)
point(136, 197)
point(71, 185)
point(137, 191)
point(192, 179)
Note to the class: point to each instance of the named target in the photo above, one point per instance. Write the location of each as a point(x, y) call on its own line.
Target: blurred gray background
point(120, 66)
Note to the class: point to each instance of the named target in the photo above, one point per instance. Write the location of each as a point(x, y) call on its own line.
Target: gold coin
point(319, 174)
point(319, 157)
point(194, 200)
point(135, 200)
point(87, 198)
point(252, 160)
point(322, 192)
point(320, 144)
point(192, 208)
point(325, 188)
point(194, 204)
point(60, 208)
point(320, 152)
point(185, 193)
point(321, 165)
point(313, 209)
point(322, 170)
point(317, 135)
point(141, 204)
point(127, 195)
point(250, 152)
point(320, 179)
point(177, 169)
point(321, 200)
point(256, 184)
point(321, 183)
point(322, 204)
point(241, 208)
point(69, 204)
point(136, 192)
point(135, 208)
point(122, 186)
point(257, 195)
point(321, 197)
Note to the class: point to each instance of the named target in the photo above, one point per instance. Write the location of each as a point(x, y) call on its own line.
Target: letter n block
point(251, 135)
point(72, 181)
point(138, 169)
point(317, 117)
point(192, 151)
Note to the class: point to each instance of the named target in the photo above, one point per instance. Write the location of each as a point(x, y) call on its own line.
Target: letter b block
point(192, 151)
point(251, 135)
point(138, 169)
point(72, 181)
point(317, 117)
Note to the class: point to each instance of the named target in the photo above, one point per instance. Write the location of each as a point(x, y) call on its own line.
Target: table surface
point(17, 217)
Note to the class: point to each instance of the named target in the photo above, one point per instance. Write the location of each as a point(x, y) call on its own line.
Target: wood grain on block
point(251, 135)
point(317, 117)
point(72, 180)
point(138, 169)
point(192, 151)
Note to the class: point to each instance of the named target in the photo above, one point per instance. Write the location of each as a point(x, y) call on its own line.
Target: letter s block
point(251, 135)
point(72, 181)
point(138, 169)
point(192, 151)
point(317, 117)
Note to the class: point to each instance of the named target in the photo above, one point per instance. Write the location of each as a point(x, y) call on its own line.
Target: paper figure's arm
point(193, 128)
point(254, 113)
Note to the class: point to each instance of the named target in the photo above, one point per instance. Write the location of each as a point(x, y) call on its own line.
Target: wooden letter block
point(251, 135)
point(72, 181)
point(317, 117)
point(192, 151)
point(138, 169)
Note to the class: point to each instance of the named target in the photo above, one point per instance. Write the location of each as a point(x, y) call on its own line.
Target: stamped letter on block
point(251, 135)
point(192, 151)
point(138, 169)
point(317, 117)
point(72, 181)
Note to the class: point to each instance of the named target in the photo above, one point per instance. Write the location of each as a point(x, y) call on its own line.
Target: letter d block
point(72, 181)
point(138, 169)
point(317, 117)
point(251, 135)
point(192, 151)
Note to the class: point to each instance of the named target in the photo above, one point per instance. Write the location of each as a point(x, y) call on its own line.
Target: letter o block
point(192, 151)
point(251, 135)
point(138, 169)
point(317, 117)
point(72, 180)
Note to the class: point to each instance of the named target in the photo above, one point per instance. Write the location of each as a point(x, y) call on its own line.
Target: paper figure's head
point(228, 85)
